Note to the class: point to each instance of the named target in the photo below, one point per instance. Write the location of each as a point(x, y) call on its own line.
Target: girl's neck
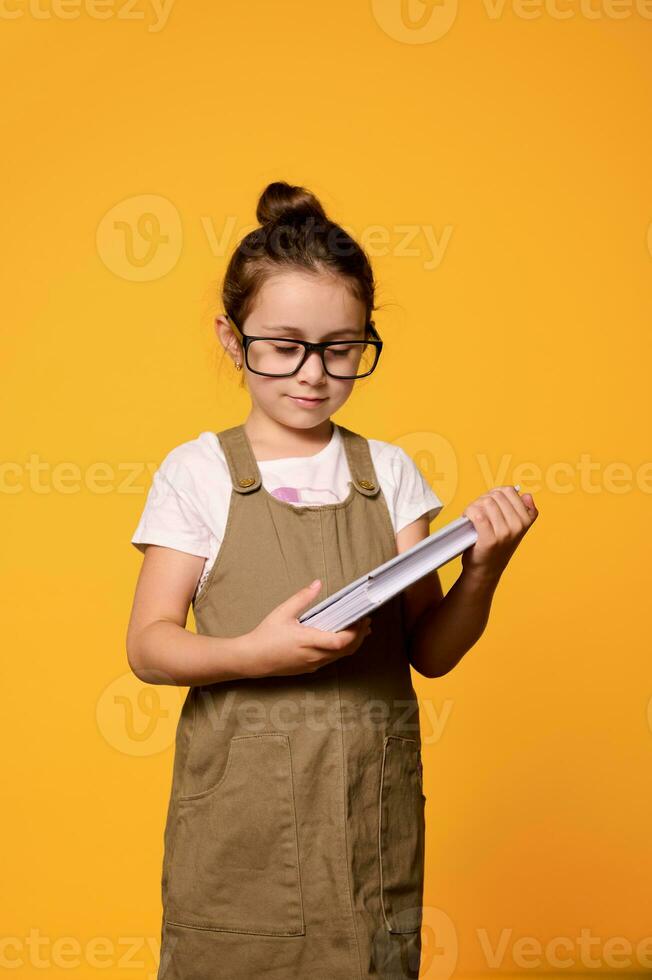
point(272, 440)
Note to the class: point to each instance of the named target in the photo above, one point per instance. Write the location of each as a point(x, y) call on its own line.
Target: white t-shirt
point(188, 502)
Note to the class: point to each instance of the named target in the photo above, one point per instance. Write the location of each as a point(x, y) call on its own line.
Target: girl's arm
point(441, 629)
point(160, 650)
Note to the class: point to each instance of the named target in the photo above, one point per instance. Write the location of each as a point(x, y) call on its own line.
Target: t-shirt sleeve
point(413, 495)
point(170, 516)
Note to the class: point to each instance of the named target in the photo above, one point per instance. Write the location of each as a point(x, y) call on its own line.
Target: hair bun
point(281, 200)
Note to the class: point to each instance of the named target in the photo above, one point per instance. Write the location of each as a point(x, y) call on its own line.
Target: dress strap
point(245, 475)
point(360, 462)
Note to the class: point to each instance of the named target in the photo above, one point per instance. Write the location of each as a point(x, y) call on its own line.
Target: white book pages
point(376, 587)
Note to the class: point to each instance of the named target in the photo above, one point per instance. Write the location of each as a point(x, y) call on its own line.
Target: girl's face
point(309, 307)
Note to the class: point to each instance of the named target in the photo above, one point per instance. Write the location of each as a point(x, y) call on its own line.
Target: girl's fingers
point(324, 639)
point(334, 641)
point(530, 506)
point(526, 511)
point(495, 516)
point(511, 515)
point(517, 503)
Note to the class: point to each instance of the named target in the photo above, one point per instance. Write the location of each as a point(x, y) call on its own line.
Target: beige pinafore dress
point(294, 841)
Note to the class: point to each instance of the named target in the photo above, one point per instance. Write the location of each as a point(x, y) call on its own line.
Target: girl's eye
point(341, 351)
point(286, 350)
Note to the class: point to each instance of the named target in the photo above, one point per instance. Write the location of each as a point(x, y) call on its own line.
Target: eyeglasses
point(281, 357)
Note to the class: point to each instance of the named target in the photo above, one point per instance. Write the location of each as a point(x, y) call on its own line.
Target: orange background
point(135, 150)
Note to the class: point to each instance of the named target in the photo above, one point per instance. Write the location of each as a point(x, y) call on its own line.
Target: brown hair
point(294, 234)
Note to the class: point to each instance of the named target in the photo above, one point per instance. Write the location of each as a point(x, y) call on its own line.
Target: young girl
point(294, 841)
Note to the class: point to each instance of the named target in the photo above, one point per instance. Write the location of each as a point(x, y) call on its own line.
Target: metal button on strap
point(367, 485)
point(246, 481)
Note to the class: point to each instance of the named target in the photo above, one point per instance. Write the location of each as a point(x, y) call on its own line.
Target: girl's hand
point(280, 644)
point(501, 517)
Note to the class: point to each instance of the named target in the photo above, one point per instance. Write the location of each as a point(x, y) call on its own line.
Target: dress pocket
point(234, 864)
point(401, 834)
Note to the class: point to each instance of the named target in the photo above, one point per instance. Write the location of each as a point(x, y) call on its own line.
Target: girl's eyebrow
point(283, 331)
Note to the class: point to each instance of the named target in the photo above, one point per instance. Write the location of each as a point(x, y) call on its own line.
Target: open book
point(371, 590)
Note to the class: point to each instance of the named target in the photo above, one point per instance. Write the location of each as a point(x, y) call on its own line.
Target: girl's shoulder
point(387, 453)
point(187, 502)
point(408, 493)
point(393, 460)
point(195, 460)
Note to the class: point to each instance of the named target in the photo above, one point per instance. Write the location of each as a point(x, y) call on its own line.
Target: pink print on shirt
point(305, 495)
point(289, 494)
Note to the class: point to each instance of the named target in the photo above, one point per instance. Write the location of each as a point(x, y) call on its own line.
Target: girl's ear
point(228, 339)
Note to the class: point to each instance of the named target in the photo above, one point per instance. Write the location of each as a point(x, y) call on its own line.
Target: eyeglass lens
point(283, 357)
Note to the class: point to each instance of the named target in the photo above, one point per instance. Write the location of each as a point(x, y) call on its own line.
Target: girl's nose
point(312, 369)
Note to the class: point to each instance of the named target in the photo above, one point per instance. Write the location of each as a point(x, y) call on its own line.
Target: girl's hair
point(294, 234)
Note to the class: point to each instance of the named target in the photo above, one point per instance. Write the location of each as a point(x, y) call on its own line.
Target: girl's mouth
point(307, 402)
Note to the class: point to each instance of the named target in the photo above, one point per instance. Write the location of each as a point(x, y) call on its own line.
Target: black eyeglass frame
point(245, 340)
